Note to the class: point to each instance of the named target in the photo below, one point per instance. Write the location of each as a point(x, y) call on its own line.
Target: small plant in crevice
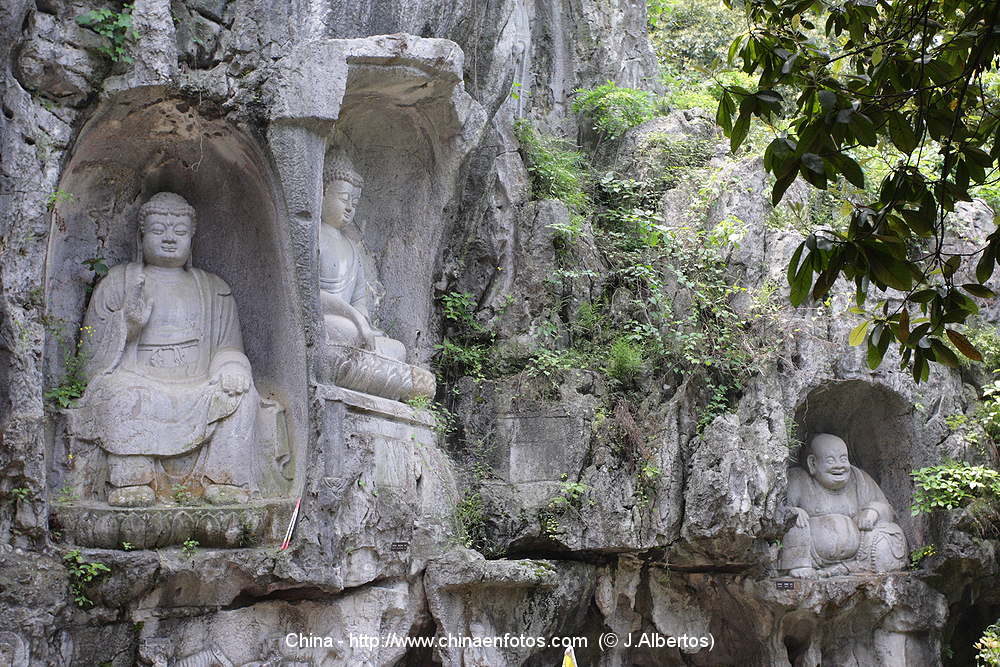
point(467, 344)
point(624, 361)
point(570, 494)
point(470, 523)
point(81, 574)
point(74, 382)
point(445, 420)
point(21, 493)
point(549, 365)
point(56, 198)
point(181, 494)
point(189, 546)
point(114, 26)
point(918, 555)
point(66, 495)
point(646, 484)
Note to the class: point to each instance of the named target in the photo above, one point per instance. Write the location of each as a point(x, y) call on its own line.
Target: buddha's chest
point(822, 501)
point(173, 332)
point(336, 254)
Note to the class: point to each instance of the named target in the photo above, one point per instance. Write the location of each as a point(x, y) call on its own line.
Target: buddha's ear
point(811, 464)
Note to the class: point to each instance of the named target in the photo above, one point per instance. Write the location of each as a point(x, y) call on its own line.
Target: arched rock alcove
point(148, 140)
point(877, 424)
point(396, 128)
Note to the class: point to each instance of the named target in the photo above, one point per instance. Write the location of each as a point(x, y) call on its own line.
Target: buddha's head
point(828, 462)
point(342, 190)
point(166, 224)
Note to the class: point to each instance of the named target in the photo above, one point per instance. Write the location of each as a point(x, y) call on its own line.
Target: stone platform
point(99, 525)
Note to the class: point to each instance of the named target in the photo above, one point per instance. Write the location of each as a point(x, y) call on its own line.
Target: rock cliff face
point(657, 509)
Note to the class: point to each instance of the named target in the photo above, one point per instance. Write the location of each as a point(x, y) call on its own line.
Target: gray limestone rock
point(600, 512)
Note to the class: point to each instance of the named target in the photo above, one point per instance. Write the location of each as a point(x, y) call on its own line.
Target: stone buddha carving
point(170, 395)
point(843, 522)
point(342, 283)
point(357, 354)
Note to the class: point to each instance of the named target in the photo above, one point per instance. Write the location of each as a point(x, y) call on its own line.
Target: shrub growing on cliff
point(556, 168)
point(614, 109)
point(953, 485)
point(82, 573)
point(114, 26)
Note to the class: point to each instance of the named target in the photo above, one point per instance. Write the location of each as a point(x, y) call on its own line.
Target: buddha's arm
point(104, 333)
point(870, 496)
point(334, 304)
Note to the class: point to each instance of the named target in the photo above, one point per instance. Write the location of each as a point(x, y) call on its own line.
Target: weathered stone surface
point(666, 524)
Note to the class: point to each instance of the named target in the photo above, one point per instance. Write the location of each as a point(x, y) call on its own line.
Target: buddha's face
point(166, 239)
point(340, 202)
point(828, 463)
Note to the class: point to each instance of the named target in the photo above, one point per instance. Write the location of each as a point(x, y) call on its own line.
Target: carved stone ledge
point(99, 525)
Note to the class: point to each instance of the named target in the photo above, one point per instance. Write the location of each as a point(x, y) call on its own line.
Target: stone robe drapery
point(130, 409)
point(832, 536)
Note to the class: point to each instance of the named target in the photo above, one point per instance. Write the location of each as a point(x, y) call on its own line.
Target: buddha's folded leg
point(232, 456)
point(130, 478)
point(130, 470)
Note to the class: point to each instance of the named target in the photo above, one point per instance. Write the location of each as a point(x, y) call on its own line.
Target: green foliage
point(988, 647)
point(116, 27)
point(58, 197)
point(128, 546)
point(457, 360)
point(460, 309)
point(908, 78)
point(73, 383)
point(917, 555)
point(467, 348)
point(182, 494)
point(986, 339)
point(570, 495)
point(470, 517)
point(444, 419)
point(691, 39)
point(98, 265)
point(66, 495)
point(624, 361)
point(953, 485)
point(689, 32)
point(613, 109)
point(646, 483)
point(188, 547)
point(557, 169)
point(21, 493)
point(81, 573)
point(548, 364)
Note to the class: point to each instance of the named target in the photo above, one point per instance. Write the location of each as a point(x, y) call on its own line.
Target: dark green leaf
point(963, 345)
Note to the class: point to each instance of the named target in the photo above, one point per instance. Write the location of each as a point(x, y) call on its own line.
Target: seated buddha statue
point(170, 395)
point(357, 354)
point(342, 283)
point(843, 522)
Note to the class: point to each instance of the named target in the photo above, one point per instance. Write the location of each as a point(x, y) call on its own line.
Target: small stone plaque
point(400, 546)
point(785, 585)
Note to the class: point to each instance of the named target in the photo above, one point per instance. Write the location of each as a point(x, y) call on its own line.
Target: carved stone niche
point(852, 498)
point(394, 108)
point(122, 471)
